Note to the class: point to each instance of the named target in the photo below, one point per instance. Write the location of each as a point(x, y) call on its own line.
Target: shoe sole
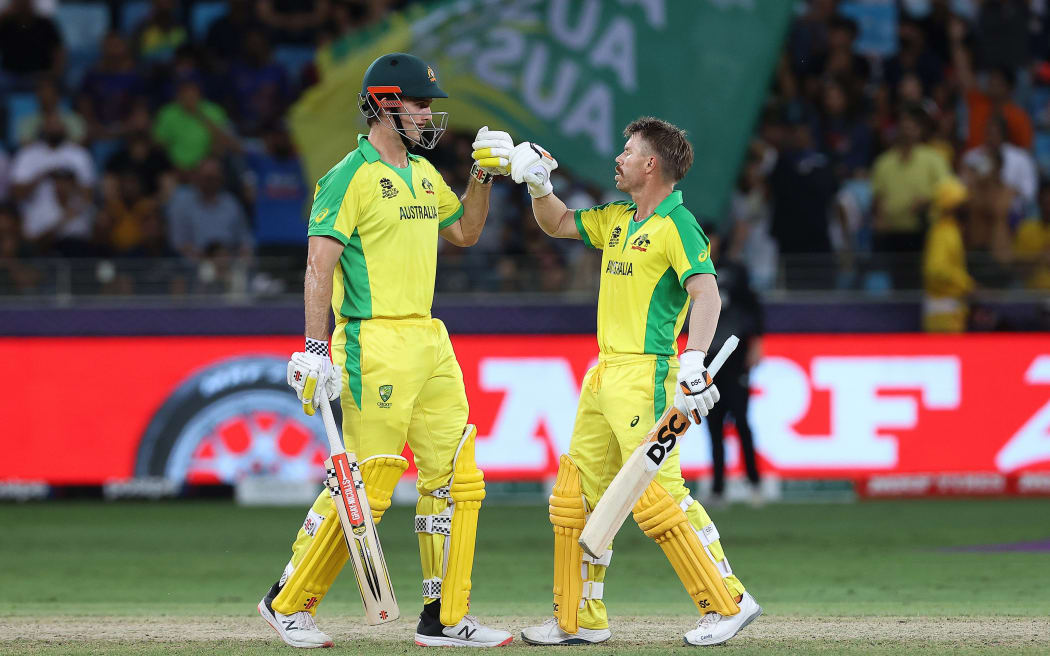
point(434, 641)
point(564, 643)
point(292, 643)
point(749, 620)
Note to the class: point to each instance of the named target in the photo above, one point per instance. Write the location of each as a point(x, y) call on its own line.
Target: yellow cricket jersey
point(388, 220)
point(642, 302)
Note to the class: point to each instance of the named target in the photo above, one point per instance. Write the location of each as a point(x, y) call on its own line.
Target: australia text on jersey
point(409, 212)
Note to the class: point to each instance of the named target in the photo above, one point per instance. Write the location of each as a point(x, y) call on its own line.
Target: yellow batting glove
point(308, 394)
point(492, 151)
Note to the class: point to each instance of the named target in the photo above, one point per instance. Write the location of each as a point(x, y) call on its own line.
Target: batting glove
point(314, 379)
point(532, 165)
point(696, 393)
point(492, 151)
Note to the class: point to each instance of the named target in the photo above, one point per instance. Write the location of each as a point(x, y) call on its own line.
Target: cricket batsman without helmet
point(373, 237)
point(655, 259)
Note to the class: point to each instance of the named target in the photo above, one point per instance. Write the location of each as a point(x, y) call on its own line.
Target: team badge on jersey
point(388, 188)
point(428, 187)
point(385, 392)
point(641, 242)
point(614, 238)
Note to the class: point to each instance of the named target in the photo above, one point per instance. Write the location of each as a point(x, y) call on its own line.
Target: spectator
point(225, 35)
point(946, 279)
point(987, 230)
point(808, 38)
point(49, 100)
point(841, 133)
point(30, 44)
point(111, 90)
point(126, 209)
point(46, 214)
point(750, 241)
point(258, 85)
point(913, 57)
point(996, 99)
point(205, 216)
point(842, 61)
point(145, 160)
point(802, 185)
point(903, 182)
point(16, 276)
point(1032, 244)
point(191, 128)
point(278, 192)
point(159, 35)
point(1018, 170)
point(293, 21)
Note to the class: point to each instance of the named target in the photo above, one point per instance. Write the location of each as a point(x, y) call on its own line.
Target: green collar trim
point(667, 205)
point(367, 149)
point(371, 154)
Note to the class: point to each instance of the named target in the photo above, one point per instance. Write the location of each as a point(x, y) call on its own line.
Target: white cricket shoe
point(549, 633)
point(297, 629)
point(430, 632)
point(714, 629)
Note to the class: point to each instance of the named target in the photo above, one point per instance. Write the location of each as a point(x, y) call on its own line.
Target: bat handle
point(335, 444)
point(723, 354)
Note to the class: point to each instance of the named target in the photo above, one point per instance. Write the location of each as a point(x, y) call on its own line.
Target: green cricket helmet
point(400, 75)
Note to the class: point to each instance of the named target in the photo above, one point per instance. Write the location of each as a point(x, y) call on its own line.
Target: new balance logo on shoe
point(289, 625)
point(467, 632)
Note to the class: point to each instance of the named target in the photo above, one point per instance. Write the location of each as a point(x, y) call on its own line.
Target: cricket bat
point(640, 470)
point(347, 488)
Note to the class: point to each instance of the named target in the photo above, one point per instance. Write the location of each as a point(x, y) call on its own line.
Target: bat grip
point(723, 354)
point(335, 444)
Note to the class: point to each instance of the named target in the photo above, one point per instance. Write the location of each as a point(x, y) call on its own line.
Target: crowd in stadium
point(149, 129)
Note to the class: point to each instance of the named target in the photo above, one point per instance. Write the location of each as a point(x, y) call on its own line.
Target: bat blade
point(640, 469)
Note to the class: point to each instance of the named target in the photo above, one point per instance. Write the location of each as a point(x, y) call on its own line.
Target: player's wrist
point(480, 175)
point(316, 347)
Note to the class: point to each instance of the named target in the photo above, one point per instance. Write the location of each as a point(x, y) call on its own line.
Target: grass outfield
point(863, 578)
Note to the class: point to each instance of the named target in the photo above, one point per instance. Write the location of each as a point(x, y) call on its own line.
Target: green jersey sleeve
point(690, 254)
point(449, 207)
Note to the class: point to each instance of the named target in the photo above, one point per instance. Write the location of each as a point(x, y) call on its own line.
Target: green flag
point(570, 75)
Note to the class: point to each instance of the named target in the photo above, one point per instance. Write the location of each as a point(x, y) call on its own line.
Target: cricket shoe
point(297, 629)
point(549, 633)
point(468, 633)
point(714, 629)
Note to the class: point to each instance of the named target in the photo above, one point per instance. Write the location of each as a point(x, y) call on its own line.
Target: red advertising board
point(88, 410)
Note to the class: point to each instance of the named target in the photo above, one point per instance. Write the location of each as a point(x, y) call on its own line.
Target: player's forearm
point(317, 295)
point(549, 211)
point(704, 316)
point(475, 211)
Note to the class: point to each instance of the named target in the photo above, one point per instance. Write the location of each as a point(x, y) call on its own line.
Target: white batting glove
point(314, 379)
point(532, 165)
point(696, 393)
point(492, 151)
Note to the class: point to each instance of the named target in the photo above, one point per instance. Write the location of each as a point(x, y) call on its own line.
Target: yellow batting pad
point(568, 515)
point(665, 522)
point(320, 560)
point(467, 490)
point(381, 474)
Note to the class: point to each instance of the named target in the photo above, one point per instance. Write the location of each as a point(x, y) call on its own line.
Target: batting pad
point(381, 474)
point(568, 514)
point(467, 490)
point(665, 522)
point(318, 556)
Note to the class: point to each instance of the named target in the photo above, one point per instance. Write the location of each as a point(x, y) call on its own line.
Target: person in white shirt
point(46, 211)
point(1019, 171)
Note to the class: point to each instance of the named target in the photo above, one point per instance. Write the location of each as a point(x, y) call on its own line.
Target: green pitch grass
point(213, 559)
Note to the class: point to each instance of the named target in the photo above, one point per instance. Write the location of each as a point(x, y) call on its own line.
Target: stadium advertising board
point(906, 414)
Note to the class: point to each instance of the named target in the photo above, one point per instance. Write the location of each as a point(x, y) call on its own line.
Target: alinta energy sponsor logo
point(412, 212)
point(618, 268)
